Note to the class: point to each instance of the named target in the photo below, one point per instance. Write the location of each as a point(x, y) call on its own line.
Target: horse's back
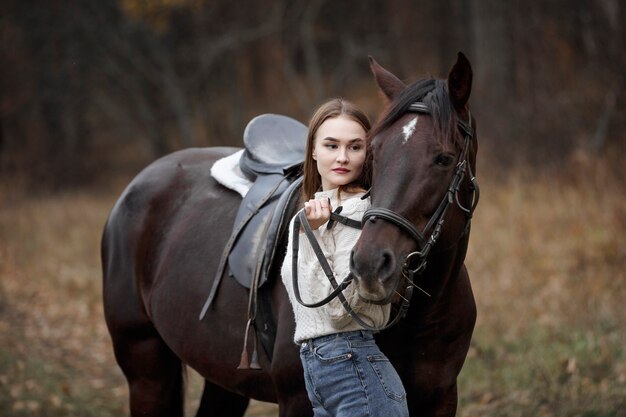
point(168, 178)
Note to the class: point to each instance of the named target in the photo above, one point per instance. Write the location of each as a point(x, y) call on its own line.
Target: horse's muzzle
point(375, 273)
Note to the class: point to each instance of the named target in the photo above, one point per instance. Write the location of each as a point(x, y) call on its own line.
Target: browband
point(424, 108)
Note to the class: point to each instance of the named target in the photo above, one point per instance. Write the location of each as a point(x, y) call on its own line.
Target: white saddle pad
point(226, 171)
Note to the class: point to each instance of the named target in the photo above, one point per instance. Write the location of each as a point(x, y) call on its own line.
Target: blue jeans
point(346, 375)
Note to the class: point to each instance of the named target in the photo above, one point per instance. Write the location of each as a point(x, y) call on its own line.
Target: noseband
point(435, 223)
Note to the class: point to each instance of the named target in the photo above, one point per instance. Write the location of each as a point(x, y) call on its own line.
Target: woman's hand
point(317, 212)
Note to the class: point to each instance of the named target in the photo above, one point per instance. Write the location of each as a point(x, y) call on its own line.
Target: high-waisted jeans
point(347, 375)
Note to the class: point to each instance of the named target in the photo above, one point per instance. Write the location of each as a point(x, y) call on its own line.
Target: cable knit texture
point(336, 243)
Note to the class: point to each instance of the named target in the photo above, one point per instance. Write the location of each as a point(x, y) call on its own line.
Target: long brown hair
point(336, 107)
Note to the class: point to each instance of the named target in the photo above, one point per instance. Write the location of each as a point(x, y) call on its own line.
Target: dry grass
point(547, 261)
point(548, 267)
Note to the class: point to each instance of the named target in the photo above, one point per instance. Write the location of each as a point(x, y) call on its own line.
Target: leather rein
point(372, 214)
point(337, 292)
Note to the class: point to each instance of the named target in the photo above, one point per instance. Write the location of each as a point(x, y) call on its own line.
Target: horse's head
point(423, 162)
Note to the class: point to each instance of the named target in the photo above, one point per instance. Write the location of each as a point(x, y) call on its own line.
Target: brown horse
point(424, 159)
point(161, 246)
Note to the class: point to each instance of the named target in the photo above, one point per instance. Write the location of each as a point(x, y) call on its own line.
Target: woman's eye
point(356, 147)
point(443, 159)
point(331, 146)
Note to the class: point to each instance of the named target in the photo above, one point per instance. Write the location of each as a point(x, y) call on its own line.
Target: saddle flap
point(273, 144)
point(255, 250)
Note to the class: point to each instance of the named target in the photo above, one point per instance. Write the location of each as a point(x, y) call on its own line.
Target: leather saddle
point(274, 152)
point(275, 146)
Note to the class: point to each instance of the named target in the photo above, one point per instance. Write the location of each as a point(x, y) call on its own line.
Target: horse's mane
point(432, 92)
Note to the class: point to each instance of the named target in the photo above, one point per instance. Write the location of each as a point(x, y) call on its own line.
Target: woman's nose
point(342, 156)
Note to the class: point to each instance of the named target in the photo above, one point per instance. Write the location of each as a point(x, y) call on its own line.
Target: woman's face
point(339, 150)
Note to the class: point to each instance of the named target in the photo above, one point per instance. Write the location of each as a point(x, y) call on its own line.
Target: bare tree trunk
point(493, 69)
point(493, 72)
point(172, 92)
point(311, 56)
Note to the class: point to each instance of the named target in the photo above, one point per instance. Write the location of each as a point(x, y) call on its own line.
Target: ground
point(547, 261)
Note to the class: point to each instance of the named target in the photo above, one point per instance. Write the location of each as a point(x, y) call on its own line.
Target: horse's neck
point(439, 280)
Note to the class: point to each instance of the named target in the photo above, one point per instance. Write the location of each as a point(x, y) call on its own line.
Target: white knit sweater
point(336, 244)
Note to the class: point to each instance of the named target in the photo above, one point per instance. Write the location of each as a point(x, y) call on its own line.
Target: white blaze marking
point(408, 129)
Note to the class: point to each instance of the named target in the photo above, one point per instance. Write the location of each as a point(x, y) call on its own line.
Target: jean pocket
point(388, 377)
point(333, 351)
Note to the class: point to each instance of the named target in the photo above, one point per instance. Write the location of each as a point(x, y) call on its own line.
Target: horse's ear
point(460, 82)
point(388, 83)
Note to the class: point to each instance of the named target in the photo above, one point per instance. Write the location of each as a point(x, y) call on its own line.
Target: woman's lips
point(341, 170)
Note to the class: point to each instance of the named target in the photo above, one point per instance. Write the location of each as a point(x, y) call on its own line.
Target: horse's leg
point(289, 377)
point(439, 403)
point(154, 375)
point(447, 403)
point(286, 369)
point(296, 406)
point(153, 372)
point(218, 402)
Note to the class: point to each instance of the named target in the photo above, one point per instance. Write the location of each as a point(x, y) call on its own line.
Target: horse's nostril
point(386, 265)
point(372, 264)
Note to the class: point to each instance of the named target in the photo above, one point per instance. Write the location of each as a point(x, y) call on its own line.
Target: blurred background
point(93, 90)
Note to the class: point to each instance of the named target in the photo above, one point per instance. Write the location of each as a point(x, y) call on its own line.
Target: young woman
point(345, 372)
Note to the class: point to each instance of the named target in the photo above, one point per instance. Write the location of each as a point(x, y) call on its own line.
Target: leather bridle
point(424, 244)
point(435, 223)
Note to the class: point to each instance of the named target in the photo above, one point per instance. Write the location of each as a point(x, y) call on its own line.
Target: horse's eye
point(443, 159)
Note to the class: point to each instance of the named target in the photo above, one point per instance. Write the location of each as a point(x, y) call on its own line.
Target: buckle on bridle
point(406, 268)
point(410, 274)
